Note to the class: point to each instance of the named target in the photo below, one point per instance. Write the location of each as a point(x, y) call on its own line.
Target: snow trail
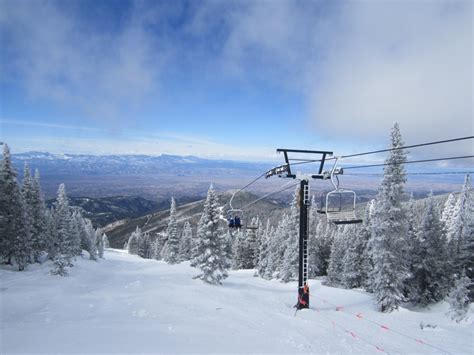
point(128, 304)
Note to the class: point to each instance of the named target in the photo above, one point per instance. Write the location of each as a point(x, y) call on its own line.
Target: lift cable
point(272, 193)
point(407, 162)
point(389, 149)
point(243, 188)
point(405, 147)
point(420, 173)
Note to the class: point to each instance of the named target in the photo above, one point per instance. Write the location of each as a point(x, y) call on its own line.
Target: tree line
point(32, 233)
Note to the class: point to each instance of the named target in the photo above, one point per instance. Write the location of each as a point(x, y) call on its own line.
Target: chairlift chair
point(339, 204)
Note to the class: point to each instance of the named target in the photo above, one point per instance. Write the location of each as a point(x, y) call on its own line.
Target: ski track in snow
point(125, 304)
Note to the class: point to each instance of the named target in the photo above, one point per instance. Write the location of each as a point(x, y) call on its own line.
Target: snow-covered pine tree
point(314, 229)
point(159, 245)
point(466, 256)
point(338, 250)
point(290, 262)
point(389, 231)
point(250, 246)
point(367, 262)
point(211, 249)
point(430, 258)
point(185, 243)
point(40, 239)
point(264, 252)
point(133, 241)
point(458, 298)
point(144, 246)
point(447, 215)
point(278, 244)
point(13, 234)
point(258, 239)
point(411, 289)
point(353, 272)
point(75, 235)
point(170, 252)
point(92, 240)
point(100, 243)
point(28, 214)
point(461, 216)
point(65, 244)
point(238, 250)
point(269, 271)
point(105, 240)
point(50, 233)
point(289, 268)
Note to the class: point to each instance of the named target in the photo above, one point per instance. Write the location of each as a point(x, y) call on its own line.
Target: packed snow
point(127, 304)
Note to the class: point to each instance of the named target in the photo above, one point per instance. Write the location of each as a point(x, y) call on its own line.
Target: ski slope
point(131, 305)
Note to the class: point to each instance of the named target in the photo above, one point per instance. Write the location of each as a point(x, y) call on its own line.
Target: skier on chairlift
point(237, 222)
point(231, 222)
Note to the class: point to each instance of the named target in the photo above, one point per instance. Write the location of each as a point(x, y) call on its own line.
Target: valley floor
point(125, 304)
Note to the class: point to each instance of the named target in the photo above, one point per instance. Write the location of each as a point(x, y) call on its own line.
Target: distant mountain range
point(105, 210)
point(60, 164)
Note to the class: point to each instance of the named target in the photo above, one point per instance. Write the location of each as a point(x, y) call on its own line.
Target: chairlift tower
point(304, 201)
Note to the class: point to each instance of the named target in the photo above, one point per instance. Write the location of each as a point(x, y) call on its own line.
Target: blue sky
point(233, 79)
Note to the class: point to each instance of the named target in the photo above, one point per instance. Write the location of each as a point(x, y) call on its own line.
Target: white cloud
point(409, 62)
point(56, 57)
point(363, 65)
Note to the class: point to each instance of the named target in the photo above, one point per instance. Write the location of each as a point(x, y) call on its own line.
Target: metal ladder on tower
point(307, 202)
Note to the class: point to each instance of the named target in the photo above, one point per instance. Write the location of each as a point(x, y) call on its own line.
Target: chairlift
point(235, 217)
point(339, 204)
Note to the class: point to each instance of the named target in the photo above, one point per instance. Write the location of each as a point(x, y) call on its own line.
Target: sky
point(234, 79)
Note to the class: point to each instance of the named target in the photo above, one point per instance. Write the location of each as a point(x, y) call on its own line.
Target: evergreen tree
point(411, 289)
point(40, 238)
point(249, 247)
point(458, 299)
point(211, 249)
point(289, 265)
point(367, 262)
point(289, 268)
point(133, 241)
point(75, 235)
point(430, 259)
point(28, 214)
point(170, 251)
point(315, 226)
point(159, 245)
point(460, 221)
point(105, 240)
point(185, 243)
point(357, 237)
point(258, 239)
point(51, 233)
point(238, 250)
point(278, 245)
point(100, 243)
point(389, 231)
point(264, 251)
point(465, 259)
point(13, 233)
point(65, 243)
point(92, 240)
point(338, 250)
point(447, 215)
point(144, 246)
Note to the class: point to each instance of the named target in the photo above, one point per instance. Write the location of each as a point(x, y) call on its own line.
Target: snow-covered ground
point(131, 305)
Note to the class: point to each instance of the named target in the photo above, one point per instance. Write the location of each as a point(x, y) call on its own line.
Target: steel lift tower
point(286, 170)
